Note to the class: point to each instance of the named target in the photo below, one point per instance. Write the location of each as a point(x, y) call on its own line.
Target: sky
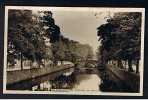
point(80, 25)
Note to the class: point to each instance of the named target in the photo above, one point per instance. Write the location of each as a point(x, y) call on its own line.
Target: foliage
point(24, 35)
point(36, 37)
point(120, 36)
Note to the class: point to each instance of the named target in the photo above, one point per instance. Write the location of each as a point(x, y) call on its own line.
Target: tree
point(17, 22)
point(120, 38)
point(25, 34)
point(52, 31)
point(59, 49)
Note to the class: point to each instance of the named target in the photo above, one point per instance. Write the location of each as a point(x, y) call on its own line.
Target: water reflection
point(68, 72)
point(87, 82)
point(71, 79)
point(45, 86)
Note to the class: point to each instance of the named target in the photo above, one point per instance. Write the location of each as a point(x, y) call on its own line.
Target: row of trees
point(120, 39)
point(70, 50)
point(34, 36)
point(25, 40)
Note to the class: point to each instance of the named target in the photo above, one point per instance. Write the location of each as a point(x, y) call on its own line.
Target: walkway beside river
point(20, 75)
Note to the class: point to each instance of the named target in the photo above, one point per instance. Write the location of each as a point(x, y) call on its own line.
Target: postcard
point(74, 50)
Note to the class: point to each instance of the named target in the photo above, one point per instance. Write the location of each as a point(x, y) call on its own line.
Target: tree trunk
point(130, 69)
point(44, 63)
point(137, 66)
point(39, 87)
point(120, 64)
point(21, 60)
point(125, 64)
point(55, 63)
point(103, 59)
point(61, 62)
point(30, 64)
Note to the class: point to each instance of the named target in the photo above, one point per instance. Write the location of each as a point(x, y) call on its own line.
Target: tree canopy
point(121, 36)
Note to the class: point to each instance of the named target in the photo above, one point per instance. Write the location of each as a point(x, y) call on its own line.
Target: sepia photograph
point(73, 50)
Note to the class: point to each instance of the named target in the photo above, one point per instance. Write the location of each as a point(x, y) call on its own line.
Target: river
point(87, 82)
point(72, 80)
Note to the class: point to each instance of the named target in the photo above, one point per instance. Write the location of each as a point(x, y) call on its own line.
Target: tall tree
point(25, 35)
point(17, 22)
point(120, 37)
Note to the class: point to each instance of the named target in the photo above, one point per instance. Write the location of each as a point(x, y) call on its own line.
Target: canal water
point(87, 82)
point(71, 80)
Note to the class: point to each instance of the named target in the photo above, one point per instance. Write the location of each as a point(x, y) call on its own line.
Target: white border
point(72, 92)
